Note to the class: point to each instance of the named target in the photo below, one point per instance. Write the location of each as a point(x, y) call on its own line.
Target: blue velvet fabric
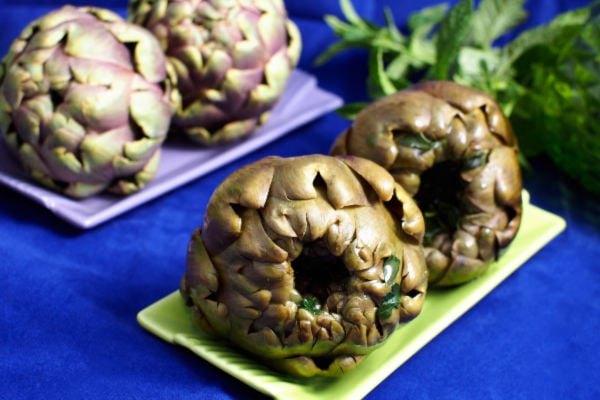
point(69, 297)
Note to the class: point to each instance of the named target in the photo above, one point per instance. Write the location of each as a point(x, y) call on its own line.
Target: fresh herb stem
point(546, 79)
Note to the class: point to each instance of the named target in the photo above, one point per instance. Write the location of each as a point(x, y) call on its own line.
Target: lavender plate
point(179, 164)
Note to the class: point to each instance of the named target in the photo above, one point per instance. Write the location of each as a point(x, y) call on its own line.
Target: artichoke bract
point(86, 102)
point(233, 59)
point(453, 149)
point(307, 262)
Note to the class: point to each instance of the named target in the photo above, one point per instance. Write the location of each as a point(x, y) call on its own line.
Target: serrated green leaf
point(398, 67)
point(544, 35)
point(454, 30)
point(472, 60)
point(591, 32)
point(478, 68)
point(422, 53)
point(494, 18)
point(421, 23)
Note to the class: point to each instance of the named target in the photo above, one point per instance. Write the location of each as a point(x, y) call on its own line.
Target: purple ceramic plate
point(179, 164)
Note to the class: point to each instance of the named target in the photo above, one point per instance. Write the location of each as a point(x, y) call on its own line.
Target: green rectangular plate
point(170, 320)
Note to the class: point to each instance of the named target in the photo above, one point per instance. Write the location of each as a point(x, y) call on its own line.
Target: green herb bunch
point(546, 79)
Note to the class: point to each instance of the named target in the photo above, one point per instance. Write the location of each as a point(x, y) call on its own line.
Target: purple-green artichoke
point(454, 150)
point(233, 59)
point(86, 102)
point(307, 262)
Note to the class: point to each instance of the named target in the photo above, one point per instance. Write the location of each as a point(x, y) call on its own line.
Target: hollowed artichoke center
point(318, 274)
point(439, 197)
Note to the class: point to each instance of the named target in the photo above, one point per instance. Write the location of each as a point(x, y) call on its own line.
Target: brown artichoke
point(85, 101)
point(454, 150)
point(307, 262)
point(232, 58)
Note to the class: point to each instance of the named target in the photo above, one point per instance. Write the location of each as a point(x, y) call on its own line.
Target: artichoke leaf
point(5, 118)
point(64, 164)
point(63, 137)
point(255, 243)
point(237, 84)
point(148, 58)
point(12, 87)
point(129, 185)
point(234, 130)
point(343, 189)
point(100, 149)
point(214, 95)
point(247, 55)
point(147, 173)
point(27, 122)
point(84, 189)
point(55, 19)
point(266, 6)
point(375, 175)
point(91, 42)
point(293, 183)
point(251, 188)
point(62, 130)
point(277, 72)
point(41, 106)
point(184, 60)
point(140, 150)
point(58, 72)
point(413, 223)
point(272, 32)
point(247, 24)
point(31, 158)
point(294, 43)
point(47, 39)
point(89, 71)
point(150, 113)
point(217, 65)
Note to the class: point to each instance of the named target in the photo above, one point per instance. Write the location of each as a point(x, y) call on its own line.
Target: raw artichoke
point(85, 102)
point(307, 262)
point(452, 148)
point(232, 58)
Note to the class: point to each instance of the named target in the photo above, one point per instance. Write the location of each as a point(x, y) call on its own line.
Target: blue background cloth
point(69, 297)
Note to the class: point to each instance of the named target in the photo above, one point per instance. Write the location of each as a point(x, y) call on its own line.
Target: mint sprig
point(453, 33)
point(546, 79)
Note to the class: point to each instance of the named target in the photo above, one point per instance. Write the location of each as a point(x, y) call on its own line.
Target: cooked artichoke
point(452, 148)
point(307, 262)
point(85, 102)
point(233, 59)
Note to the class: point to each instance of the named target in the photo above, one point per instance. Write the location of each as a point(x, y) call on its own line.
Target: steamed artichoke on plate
point(307, 262)
point(233, 59)
point(454, 150)
point(86, 102)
